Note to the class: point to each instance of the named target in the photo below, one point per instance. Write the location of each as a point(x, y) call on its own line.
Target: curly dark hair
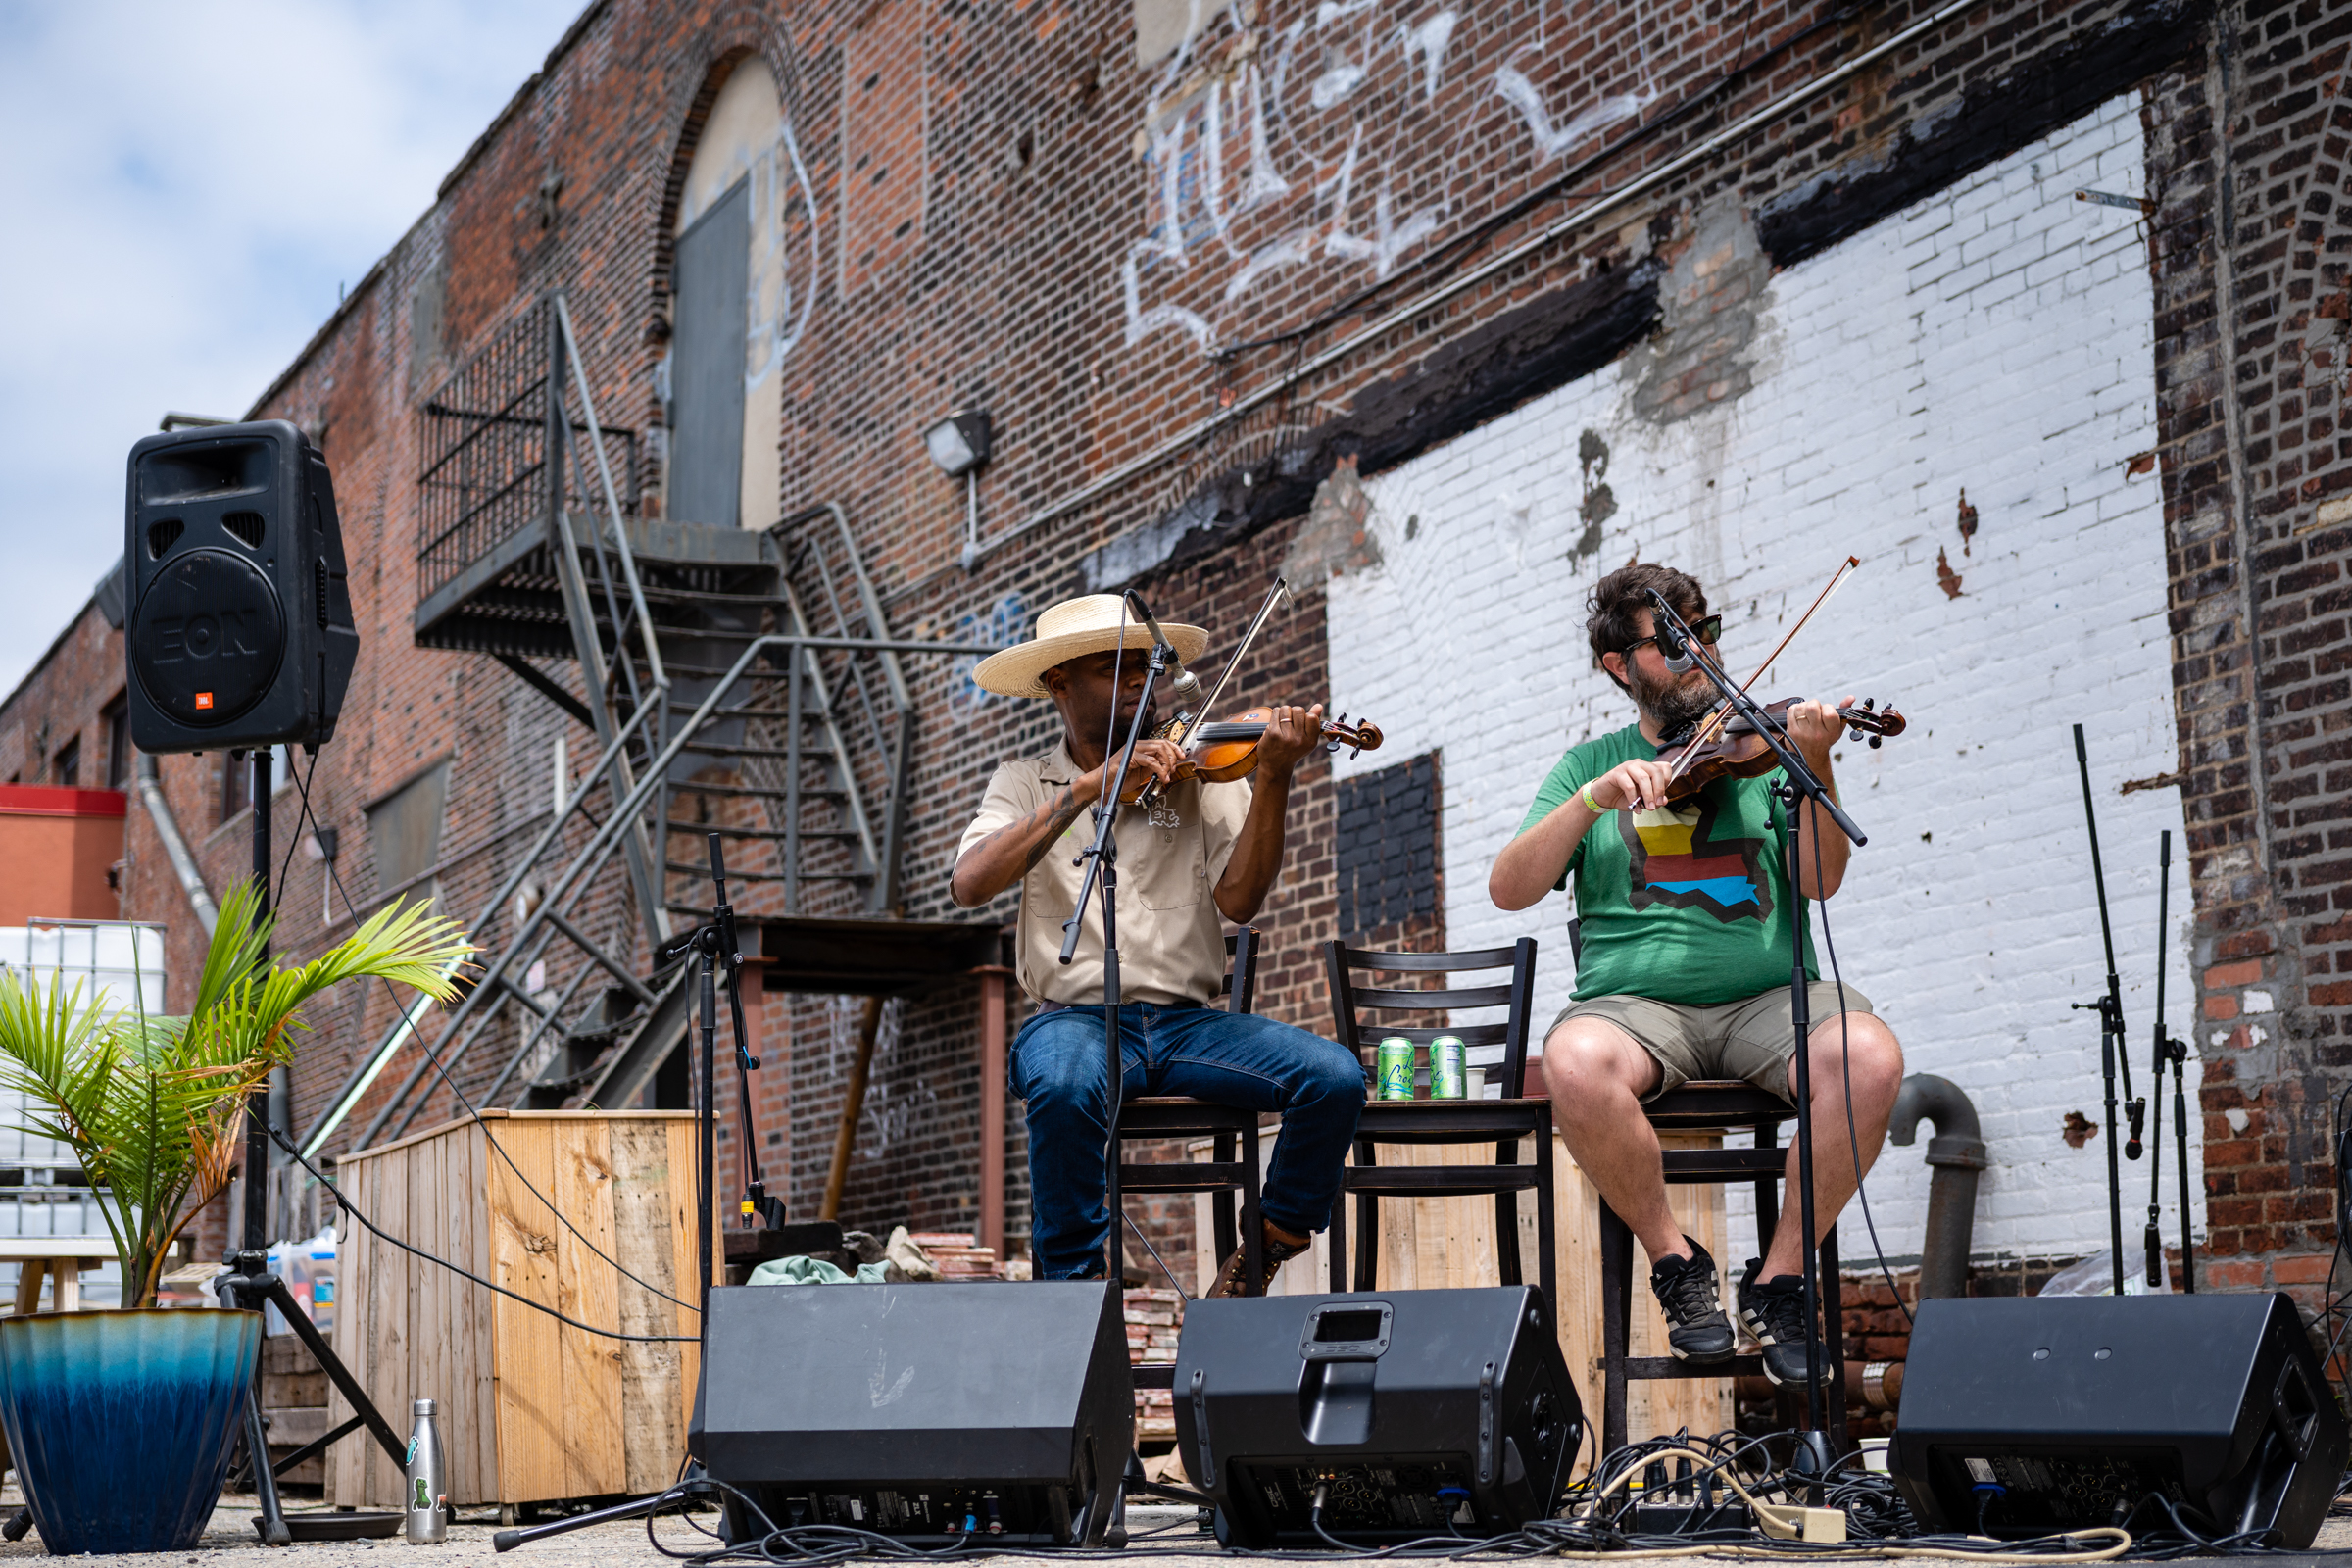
point(1613, 620)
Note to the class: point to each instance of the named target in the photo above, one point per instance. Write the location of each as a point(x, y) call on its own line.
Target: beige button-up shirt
point(1171, 936)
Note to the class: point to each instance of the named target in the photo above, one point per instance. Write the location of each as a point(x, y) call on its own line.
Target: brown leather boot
point(1275, 1248)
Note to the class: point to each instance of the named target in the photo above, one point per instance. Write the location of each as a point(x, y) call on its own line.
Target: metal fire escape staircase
point(739, 682)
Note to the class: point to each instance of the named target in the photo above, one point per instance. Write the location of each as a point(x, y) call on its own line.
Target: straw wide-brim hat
point(1069, 630)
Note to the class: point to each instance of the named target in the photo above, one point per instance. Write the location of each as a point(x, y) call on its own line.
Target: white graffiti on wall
point(784, 255)
point(1330, 137)
point(783, 271)
point(891, 1111)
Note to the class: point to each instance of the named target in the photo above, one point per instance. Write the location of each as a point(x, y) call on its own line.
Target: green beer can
point(1445, 1079)
point(1394, 1074)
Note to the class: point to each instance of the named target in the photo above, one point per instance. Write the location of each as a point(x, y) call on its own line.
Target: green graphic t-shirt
point(1688, 905)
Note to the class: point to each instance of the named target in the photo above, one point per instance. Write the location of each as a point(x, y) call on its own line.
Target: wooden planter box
point(530, 1410)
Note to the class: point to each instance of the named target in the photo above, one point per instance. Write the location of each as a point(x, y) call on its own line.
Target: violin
point(1227, 749)
point(1732, 749)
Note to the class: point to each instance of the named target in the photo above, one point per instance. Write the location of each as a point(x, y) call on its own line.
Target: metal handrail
point(598, 847)
point(604, 472)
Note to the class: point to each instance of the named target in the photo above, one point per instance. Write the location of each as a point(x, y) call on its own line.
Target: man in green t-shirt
point(1685, 912)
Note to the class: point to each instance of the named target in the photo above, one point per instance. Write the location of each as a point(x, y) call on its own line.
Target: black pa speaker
point(1415, 1413)
point(239, 631)
point(932, 1413)
point(2034, 1415)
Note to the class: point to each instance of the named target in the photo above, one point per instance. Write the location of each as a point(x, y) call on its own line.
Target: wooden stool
point(1713, 1105)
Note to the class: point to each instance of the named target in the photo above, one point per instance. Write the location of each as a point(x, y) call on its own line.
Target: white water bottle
point(426, 1477)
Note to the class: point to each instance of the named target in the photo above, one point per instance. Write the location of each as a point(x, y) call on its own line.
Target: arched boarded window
point(744, 267)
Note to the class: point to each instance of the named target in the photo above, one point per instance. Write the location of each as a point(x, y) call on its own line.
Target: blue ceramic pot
point(121, 1424)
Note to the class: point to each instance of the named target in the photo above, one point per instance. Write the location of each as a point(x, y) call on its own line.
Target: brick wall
point(1893, 267)
point(2250, 359)
point(1969, 921)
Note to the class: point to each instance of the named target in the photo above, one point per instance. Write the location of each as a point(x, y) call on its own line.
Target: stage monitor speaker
point(931, 1413)
point(239, 630)
point(1417, 1412)
point(2027, 1416)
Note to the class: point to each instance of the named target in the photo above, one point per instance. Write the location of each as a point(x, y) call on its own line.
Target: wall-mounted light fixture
point(959, 445)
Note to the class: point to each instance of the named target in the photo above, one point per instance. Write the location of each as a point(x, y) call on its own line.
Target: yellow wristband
point(1591, 805)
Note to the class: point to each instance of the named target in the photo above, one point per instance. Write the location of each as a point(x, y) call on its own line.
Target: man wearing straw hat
point(1209, 853)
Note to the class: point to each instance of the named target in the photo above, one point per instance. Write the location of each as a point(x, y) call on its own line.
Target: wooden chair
point(1232, 1170)
point(1708, 1104)
point(1501, 1122)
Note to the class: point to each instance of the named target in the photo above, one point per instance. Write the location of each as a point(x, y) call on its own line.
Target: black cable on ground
point(434, 1057)
point(809, 1546)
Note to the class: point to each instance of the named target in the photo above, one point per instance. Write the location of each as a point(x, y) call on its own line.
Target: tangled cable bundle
point(1594, 1523)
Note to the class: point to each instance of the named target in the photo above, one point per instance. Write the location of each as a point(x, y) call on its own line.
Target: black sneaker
point(1692, 1294)
point(1774, 1311)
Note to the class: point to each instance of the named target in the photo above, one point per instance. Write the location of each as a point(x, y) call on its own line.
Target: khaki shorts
point(1752, 1040)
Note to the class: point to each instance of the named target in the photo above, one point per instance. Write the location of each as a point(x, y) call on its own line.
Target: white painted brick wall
point(1999, 338)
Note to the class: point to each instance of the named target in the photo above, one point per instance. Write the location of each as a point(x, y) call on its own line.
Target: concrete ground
point(230, 1543)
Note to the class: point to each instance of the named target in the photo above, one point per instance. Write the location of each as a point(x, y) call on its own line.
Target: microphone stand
point(2171, 1051)
point(1102, 861)
point(1800, 784)
point(715, 941)
point(719, 946)
point(2110, 1008)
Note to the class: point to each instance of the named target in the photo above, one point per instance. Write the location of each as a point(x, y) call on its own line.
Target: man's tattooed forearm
point(1064, 809)
point(1054, 816)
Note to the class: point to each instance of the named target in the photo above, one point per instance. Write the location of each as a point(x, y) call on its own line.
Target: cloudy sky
point(188, 186)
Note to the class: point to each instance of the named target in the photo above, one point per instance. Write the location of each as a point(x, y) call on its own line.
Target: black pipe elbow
point(1959, 1139)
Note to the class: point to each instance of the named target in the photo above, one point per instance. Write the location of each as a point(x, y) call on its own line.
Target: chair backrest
point(1350, 1001)
point(1240, 984)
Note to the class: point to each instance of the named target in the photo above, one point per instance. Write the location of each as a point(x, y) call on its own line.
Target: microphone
point(1186, 683)
point(1678, 654)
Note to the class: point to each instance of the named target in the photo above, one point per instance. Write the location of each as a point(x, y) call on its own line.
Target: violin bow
point(1184, 737)
point(1274, 596)
point(1722, 714)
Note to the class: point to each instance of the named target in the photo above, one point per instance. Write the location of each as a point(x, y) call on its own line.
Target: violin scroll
point(1360, 738)
point(1865, 722)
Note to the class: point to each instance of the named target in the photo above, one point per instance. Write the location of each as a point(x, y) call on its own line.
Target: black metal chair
point(1232, 1170)
point(1704, 1105)
point(1501, 1122)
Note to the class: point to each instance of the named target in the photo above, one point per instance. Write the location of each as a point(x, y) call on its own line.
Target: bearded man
point(1684, 969)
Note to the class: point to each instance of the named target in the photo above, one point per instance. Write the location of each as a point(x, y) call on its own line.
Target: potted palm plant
point(122, 1423)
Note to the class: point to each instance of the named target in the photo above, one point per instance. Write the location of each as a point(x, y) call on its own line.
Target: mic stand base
point(634, 1508)
point(253, 1287)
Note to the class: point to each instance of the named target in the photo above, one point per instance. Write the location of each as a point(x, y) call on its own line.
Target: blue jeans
point(1059, 1068)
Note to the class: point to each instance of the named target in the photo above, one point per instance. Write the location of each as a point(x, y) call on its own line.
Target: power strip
point(1688, 1519)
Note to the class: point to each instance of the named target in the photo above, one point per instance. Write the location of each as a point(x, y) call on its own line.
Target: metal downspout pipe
point(175, 846)
point(1956, 1154)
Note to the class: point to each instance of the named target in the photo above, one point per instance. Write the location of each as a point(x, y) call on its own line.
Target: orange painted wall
point(55, 848)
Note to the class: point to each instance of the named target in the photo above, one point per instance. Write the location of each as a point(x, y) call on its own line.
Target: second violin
point(1735, 750)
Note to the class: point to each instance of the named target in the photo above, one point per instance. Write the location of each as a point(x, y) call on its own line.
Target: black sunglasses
point(1706, 630)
